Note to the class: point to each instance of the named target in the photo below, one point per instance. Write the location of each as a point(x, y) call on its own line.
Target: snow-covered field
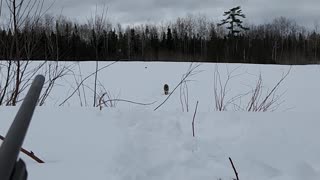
point(143, 82)
point(134, 142)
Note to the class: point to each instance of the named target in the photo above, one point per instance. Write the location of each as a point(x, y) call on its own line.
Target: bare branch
point(234, 169)
point(79, 85)
point(189, 73)
point(28, 153)
point(128, 101)
point(194, 115)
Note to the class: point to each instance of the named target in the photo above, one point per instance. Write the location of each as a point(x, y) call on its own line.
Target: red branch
point(28, 153)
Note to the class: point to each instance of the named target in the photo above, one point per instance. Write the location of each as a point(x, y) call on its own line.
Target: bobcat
point(166, 89)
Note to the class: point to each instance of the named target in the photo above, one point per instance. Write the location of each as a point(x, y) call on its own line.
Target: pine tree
point(235, 24)
point(169, 42)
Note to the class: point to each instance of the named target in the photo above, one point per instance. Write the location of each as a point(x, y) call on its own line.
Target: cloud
point(130, 12)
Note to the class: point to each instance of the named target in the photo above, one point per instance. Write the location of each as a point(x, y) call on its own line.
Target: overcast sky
point(305, 12)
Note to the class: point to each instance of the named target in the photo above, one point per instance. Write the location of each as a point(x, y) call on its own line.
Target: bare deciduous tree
point(221, 89)
point(54, 72)
point(21, 12)
point(259, 100)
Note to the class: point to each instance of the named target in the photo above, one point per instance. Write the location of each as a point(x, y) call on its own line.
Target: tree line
point(191, 38)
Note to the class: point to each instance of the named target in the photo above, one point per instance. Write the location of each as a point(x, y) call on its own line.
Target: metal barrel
point(13, 141)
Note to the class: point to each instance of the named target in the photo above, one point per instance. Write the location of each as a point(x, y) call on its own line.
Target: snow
point(131, 142)
point(144, 81)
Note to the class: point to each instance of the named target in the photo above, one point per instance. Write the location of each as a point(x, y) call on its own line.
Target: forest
point(194, 38)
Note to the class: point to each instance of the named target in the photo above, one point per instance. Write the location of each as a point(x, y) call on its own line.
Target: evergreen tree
point(235, 24)
point(169, 42)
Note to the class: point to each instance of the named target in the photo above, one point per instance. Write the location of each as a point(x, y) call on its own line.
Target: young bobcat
point(166, 89)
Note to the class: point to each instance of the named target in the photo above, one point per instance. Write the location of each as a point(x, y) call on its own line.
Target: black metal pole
point(13, 141)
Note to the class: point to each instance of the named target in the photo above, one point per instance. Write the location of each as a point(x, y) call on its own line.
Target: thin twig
point(194, 115)
point(190, 73)
point(234, 169)
point(109, 97)
point(28, 153)
point(273, 90)
point(79, 85)
point(128, 101)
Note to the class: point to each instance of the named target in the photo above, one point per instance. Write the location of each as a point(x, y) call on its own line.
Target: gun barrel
point(13, 141)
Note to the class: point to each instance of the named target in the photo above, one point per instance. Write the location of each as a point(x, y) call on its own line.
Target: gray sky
point(305, 12)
